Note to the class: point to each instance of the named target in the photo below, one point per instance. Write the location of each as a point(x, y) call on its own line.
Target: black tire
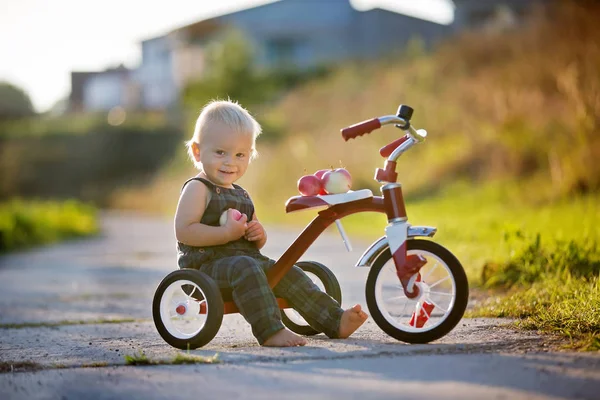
point(455, 314)
point(332, 288)
point(210, 294)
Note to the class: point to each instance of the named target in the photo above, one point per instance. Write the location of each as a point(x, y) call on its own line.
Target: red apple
point(234, 213)
point(337, 181)
point(309, 185)
point(319, 174)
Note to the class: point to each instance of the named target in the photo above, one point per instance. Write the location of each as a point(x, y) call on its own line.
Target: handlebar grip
point(388, 149)
point(360, 129)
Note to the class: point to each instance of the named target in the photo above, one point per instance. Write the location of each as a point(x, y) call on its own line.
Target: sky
point(42, 41)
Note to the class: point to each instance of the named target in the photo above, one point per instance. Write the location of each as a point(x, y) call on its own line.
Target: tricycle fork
point(407, 267)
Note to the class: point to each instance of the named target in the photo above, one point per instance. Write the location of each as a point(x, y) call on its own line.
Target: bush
point(14, 102)
point(27, 223)
point(83, 157)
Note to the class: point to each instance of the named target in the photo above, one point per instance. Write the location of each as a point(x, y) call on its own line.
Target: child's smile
point(225, 155)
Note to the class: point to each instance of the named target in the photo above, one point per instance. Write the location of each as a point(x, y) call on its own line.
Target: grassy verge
point(552, 288)
point(28, 223)
point(141, 358)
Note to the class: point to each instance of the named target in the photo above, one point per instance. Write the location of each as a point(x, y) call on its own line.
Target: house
point(101, 91)
point(299, 33)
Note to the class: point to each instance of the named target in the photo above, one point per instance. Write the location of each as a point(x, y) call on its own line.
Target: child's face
point(224, 154)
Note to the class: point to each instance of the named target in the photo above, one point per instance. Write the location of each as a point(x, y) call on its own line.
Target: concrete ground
point(70, 313)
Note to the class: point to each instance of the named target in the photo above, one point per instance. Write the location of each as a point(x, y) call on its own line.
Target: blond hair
point(226, 112)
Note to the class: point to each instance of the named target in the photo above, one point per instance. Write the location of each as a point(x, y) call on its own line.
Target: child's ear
point(196, 151)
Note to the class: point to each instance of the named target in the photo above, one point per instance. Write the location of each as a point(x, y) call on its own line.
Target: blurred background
point(97, 99)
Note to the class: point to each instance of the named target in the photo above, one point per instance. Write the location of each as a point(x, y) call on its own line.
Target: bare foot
point(352, 319)
point(285, 338)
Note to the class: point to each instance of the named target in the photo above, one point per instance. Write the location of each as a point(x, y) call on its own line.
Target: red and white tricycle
point(416, 290)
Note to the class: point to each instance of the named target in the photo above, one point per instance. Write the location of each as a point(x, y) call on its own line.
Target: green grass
point(551, 287)
point(185, 358)
point(140, 358)
point(25, 223)
point(569, 307)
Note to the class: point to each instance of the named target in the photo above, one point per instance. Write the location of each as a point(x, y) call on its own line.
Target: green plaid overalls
point(240, 266)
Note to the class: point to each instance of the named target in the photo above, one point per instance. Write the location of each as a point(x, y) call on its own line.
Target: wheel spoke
point(403, 308)
point(430, 271)
point(441, 293)
point(440, 281)
point(437, 305)
point(397, 298)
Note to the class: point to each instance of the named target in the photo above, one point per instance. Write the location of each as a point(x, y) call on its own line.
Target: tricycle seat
point(298, 203)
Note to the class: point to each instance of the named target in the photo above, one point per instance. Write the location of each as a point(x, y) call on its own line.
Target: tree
point(14, 102)
point(230, 73)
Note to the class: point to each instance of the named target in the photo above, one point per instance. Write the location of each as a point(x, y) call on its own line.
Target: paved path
point(113, 277)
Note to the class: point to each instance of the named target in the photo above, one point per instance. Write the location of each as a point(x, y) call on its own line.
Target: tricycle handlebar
point(412, 137)
point(370, 125)
point(361, 128)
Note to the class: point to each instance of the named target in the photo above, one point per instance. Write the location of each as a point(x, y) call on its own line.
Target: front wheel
point(435, 312)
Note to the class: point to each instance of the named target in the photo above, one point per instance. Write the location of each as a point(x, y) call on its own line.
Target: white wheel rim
point(437, 286)
point(191, 322)
point(293, 315)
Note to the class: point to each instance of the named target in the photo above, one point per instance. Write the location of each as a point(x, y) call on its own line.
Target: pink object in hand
point(235, 213)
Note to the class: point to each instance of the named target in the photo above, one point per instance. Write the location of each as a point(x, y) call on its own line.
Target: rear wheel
point(187, 309)
point(444, 293)
point(326, 281)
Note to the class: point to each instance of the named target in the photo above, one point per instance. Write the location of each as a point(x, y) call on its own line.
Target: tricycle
point(416, 290)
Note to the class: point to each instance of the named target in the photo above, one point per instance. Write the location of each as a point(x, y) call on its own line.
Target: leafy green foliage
point(28, 223)
point(229, 73)
point(14, 102)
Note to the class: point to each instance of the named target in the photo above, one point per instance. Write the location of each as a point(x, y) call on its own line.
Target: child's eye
point(220, 152)
point(240, 155)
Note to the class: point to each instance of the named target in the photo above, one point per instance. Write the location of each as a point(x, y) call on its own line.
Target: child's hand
point(255, 232)
point(236, 229)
